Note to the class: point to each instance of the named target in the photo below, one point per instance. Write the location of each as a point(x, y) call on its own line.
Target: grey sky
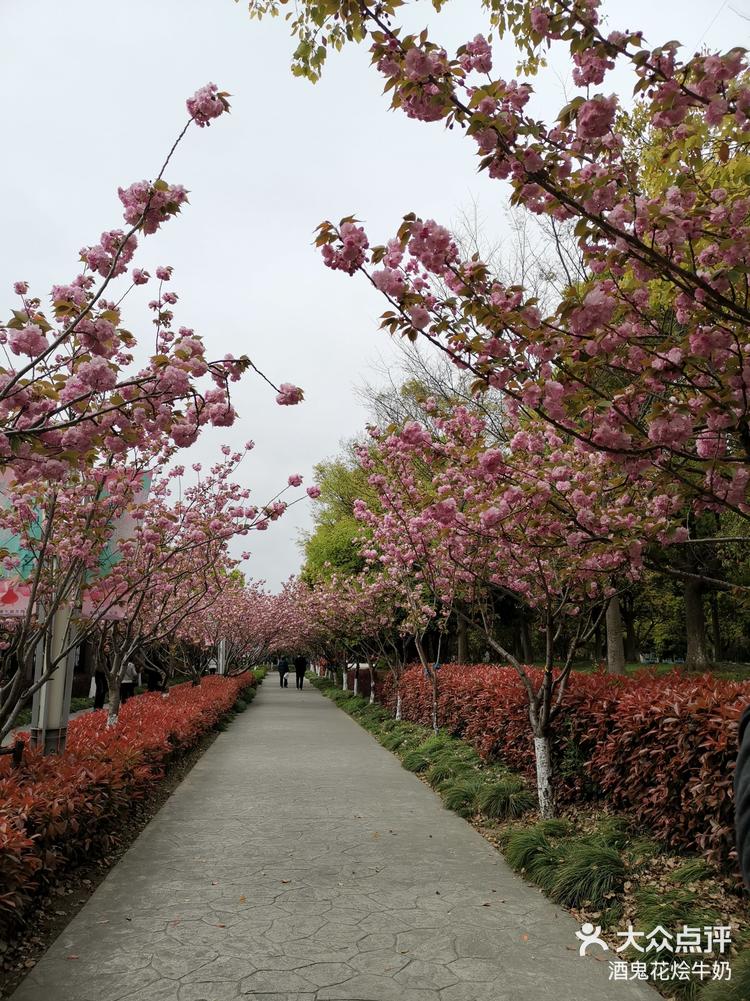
point(94, 95)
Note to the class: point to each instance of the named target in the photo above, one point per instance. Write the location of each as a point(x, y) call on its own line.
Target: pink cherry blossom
point(206, 104)
point(595, 117)
point(289, 395)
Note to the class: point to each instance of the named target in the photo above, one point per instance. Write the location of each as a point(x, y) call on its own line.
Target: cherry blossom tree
point(69, 386)
point(177, 563)
point(81, 424)
point(538, 520)
point(645, 360)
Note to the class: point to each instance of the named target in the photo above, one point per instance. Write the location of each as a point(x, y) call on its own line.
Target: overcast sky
point(94, 95)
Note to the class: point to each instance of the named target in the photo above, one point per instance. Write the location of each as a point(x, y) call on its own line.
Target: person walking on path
point(100, 688)
point(283, 668)
point(300, 666)
point(127, 685)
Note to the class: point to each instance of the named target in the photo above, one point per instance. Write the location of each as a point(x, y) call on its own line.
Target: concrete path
point(11, 735)
point(299, 862)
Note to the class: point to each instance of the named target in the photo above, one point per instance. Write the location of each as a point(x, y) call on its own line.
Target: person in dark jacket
point(742, 798)
point(100, 688)
point(283, 668)
point(300, 666)
point(153, 678)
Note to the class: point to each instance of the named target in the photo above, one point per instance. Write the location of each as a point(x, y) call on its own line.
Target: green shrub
point(435, 745)
point(692, 872)
point(416, 760)
point(736, 989)
point(672, 908)
point(640, 853)
point(444, 768)
point(463, 794)
point(468, 755)
point(589, 873)
point(509, 797)
point(529, 851)
point(426, 752)
point(555, 828)
point(394, 739)
point(613, 832)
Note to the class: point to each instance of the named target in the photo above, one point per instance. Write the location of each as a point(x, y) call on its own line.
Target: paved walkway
point(299, 862)
point(11, 735)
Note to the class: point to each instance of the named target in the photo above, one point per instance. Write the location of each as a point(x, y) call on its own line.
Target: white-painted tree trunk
point(345, 683)
point(398, 706)
point(356, 683)
point(544, 777)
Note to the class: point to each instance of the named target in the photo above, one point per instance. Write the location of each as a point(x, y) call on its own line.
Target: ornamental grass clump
point(395, 739)
point(416, 760)
point(537, 852)
point(589, 874)
point(508, 798)
point(692, 872)
point(445, 767)
point(463, 794)
point(672, 908)
point(736, 989)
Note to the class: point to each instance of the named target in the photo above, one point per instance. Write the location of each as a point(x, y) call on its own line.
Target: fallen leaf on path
point(73, 957)
point(243, 900)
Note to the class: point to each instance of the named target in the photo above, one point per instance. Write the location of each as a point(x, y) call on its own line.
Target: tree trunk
point(372, 686)
point(462, 636)
point(615, 647)
point(695, 627)
point(398, 705)
point(114, 705)
point(345, 682)
point(716, 627)
point(434, 701)
point(631, 640)
point(544, 777)
point(527, 650)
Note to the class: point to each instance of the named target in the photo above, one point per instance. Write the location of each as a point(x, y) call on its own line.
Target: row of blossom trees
point(99, 542)
point(624, 406)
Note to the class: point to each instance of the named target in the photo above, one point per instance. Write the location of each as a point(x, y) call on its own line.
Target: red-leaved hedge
point(57, 809)
point(661, 747)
